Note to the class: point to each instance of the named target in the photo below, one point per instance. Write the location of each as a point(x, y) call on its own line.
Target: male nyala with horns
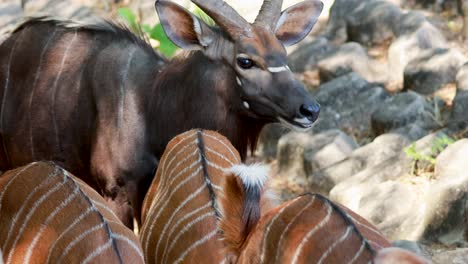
point(99, 101)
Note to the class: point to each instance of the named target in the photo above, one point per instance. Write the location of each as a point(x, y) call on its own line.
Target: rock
point(401, 110)
point(316, 159)
point(347, 103)
point(307, 55)
point(373, 22)
point(414, 35)
point(296, 150)
point(381, 149)
point(351, 57)
point(446, 202)
point(412, 131)
point(268, 140)
point(462, 78)
point(460, 108)
point(457, 256)
point(404, 206)
point(432, 70)
point(337, 21)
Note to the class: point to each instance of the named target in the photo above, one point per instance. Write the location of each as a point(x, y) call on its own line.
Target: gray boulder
point(460, 107)
point(300, 154)
point(268, 140)
point(373, 22)
point(347, 103)
point(337, 21)
point(351, 57)
point(401, 110)
point(383, 148)
point(447, 197)
point(414, 35)
point(384, 195)
point(457, 256)
point(307, 56)
point(432, 70)
point(462, 78)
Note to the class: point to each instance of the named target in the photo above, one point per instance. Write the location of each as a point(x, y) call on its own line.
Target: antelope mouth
point(298, 124)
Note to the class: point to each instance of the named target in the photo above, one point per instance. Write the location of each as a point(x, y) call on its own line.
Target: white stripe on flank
point(98, 251)
point(330, 249)
point(363, 244)
point(168, 165)
point(166, 201)
point(285, 230)
point(130, 243)
point(175, 211)
point(47, 221)
point(70, 227)
point(2, 193)
point(183, 231)
point(162, 193)
point(5, 90)
point(54, 88)
point(195, 245)
point(229, 148)
point(208, 149)
point(104, 207)
point(33, 88)
point(216, 166)
point(278, 69)
point(78, 239)
point(179, 222)
point(169, 152)
point(267, 230)
point(30, 214)
point(312, 232)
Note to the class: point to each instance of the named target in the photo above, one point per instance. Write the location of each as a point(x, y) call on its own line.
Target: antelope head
point(254, 51)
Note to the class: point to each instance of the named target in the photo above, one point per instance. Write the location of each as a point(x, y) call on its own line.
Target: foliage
point(423, 163)
point(155, 34)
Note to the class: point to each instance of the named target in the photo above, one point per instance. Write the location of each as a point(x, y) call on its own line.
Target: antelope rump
point(49, 216)
point(101, 103)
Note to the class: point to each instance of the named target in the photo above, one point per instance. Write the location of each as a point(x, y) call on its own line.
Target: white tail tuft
point(254, 175)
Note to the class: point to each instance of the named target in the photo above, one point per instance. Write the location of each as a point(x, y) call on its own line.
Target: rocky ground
point(391, 141)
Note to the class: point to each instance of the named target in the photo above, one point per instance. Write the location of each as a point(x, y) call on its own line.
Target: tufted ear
point(297, 21)
point(184, 29)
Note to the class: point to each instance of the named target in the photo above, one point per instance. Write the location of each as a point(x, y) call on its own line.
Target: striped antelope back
point(183, 210)
point(312, 229)
point(49, 216)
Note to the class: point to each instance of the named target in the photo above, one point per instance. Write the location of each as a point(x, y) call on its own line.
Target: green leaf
point(165, 44)
point(128, 16)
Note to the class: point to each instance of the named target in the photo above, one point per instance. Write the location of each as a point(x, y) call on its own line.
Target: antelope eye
point(245, 63)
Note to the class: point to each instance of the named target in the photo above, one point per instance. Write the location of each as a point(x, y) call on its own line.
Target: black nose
point(310, 111)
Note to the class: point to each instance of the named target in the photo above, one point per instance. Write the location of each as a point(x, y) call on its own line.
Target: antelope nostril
point(310, 111)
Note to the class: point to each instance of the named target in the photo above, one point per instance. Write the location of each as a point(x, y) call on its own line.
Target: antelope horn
point(225, 16)
point(269, 14)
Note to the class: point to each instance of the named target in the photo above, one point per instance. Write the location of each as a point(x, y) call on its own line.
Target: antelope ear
point(297, 21)
point(182, 27)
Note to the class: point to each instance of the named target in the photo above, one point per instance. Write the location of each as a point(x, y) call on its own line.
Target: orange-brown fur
point(43, 209)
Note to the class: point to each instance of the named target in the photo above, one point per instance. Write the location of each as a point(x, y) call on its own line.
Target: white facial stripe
point(246, 105)
point(238, 81)
point(278, 69)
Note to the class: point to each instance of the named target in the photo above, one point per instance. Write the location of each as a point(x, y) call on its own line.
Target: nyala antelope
point(101, 103)
point(202, 202)
point(313, 229)
point(49, 216)
point(216, 210)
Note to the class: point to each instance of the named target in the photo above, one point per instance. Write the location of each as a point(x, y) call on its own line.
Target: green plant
point(424, 163)
point(155, 33)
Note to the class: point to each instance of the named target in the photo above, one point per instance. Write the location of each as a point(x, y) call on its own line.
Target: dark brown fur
point(76, 124)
